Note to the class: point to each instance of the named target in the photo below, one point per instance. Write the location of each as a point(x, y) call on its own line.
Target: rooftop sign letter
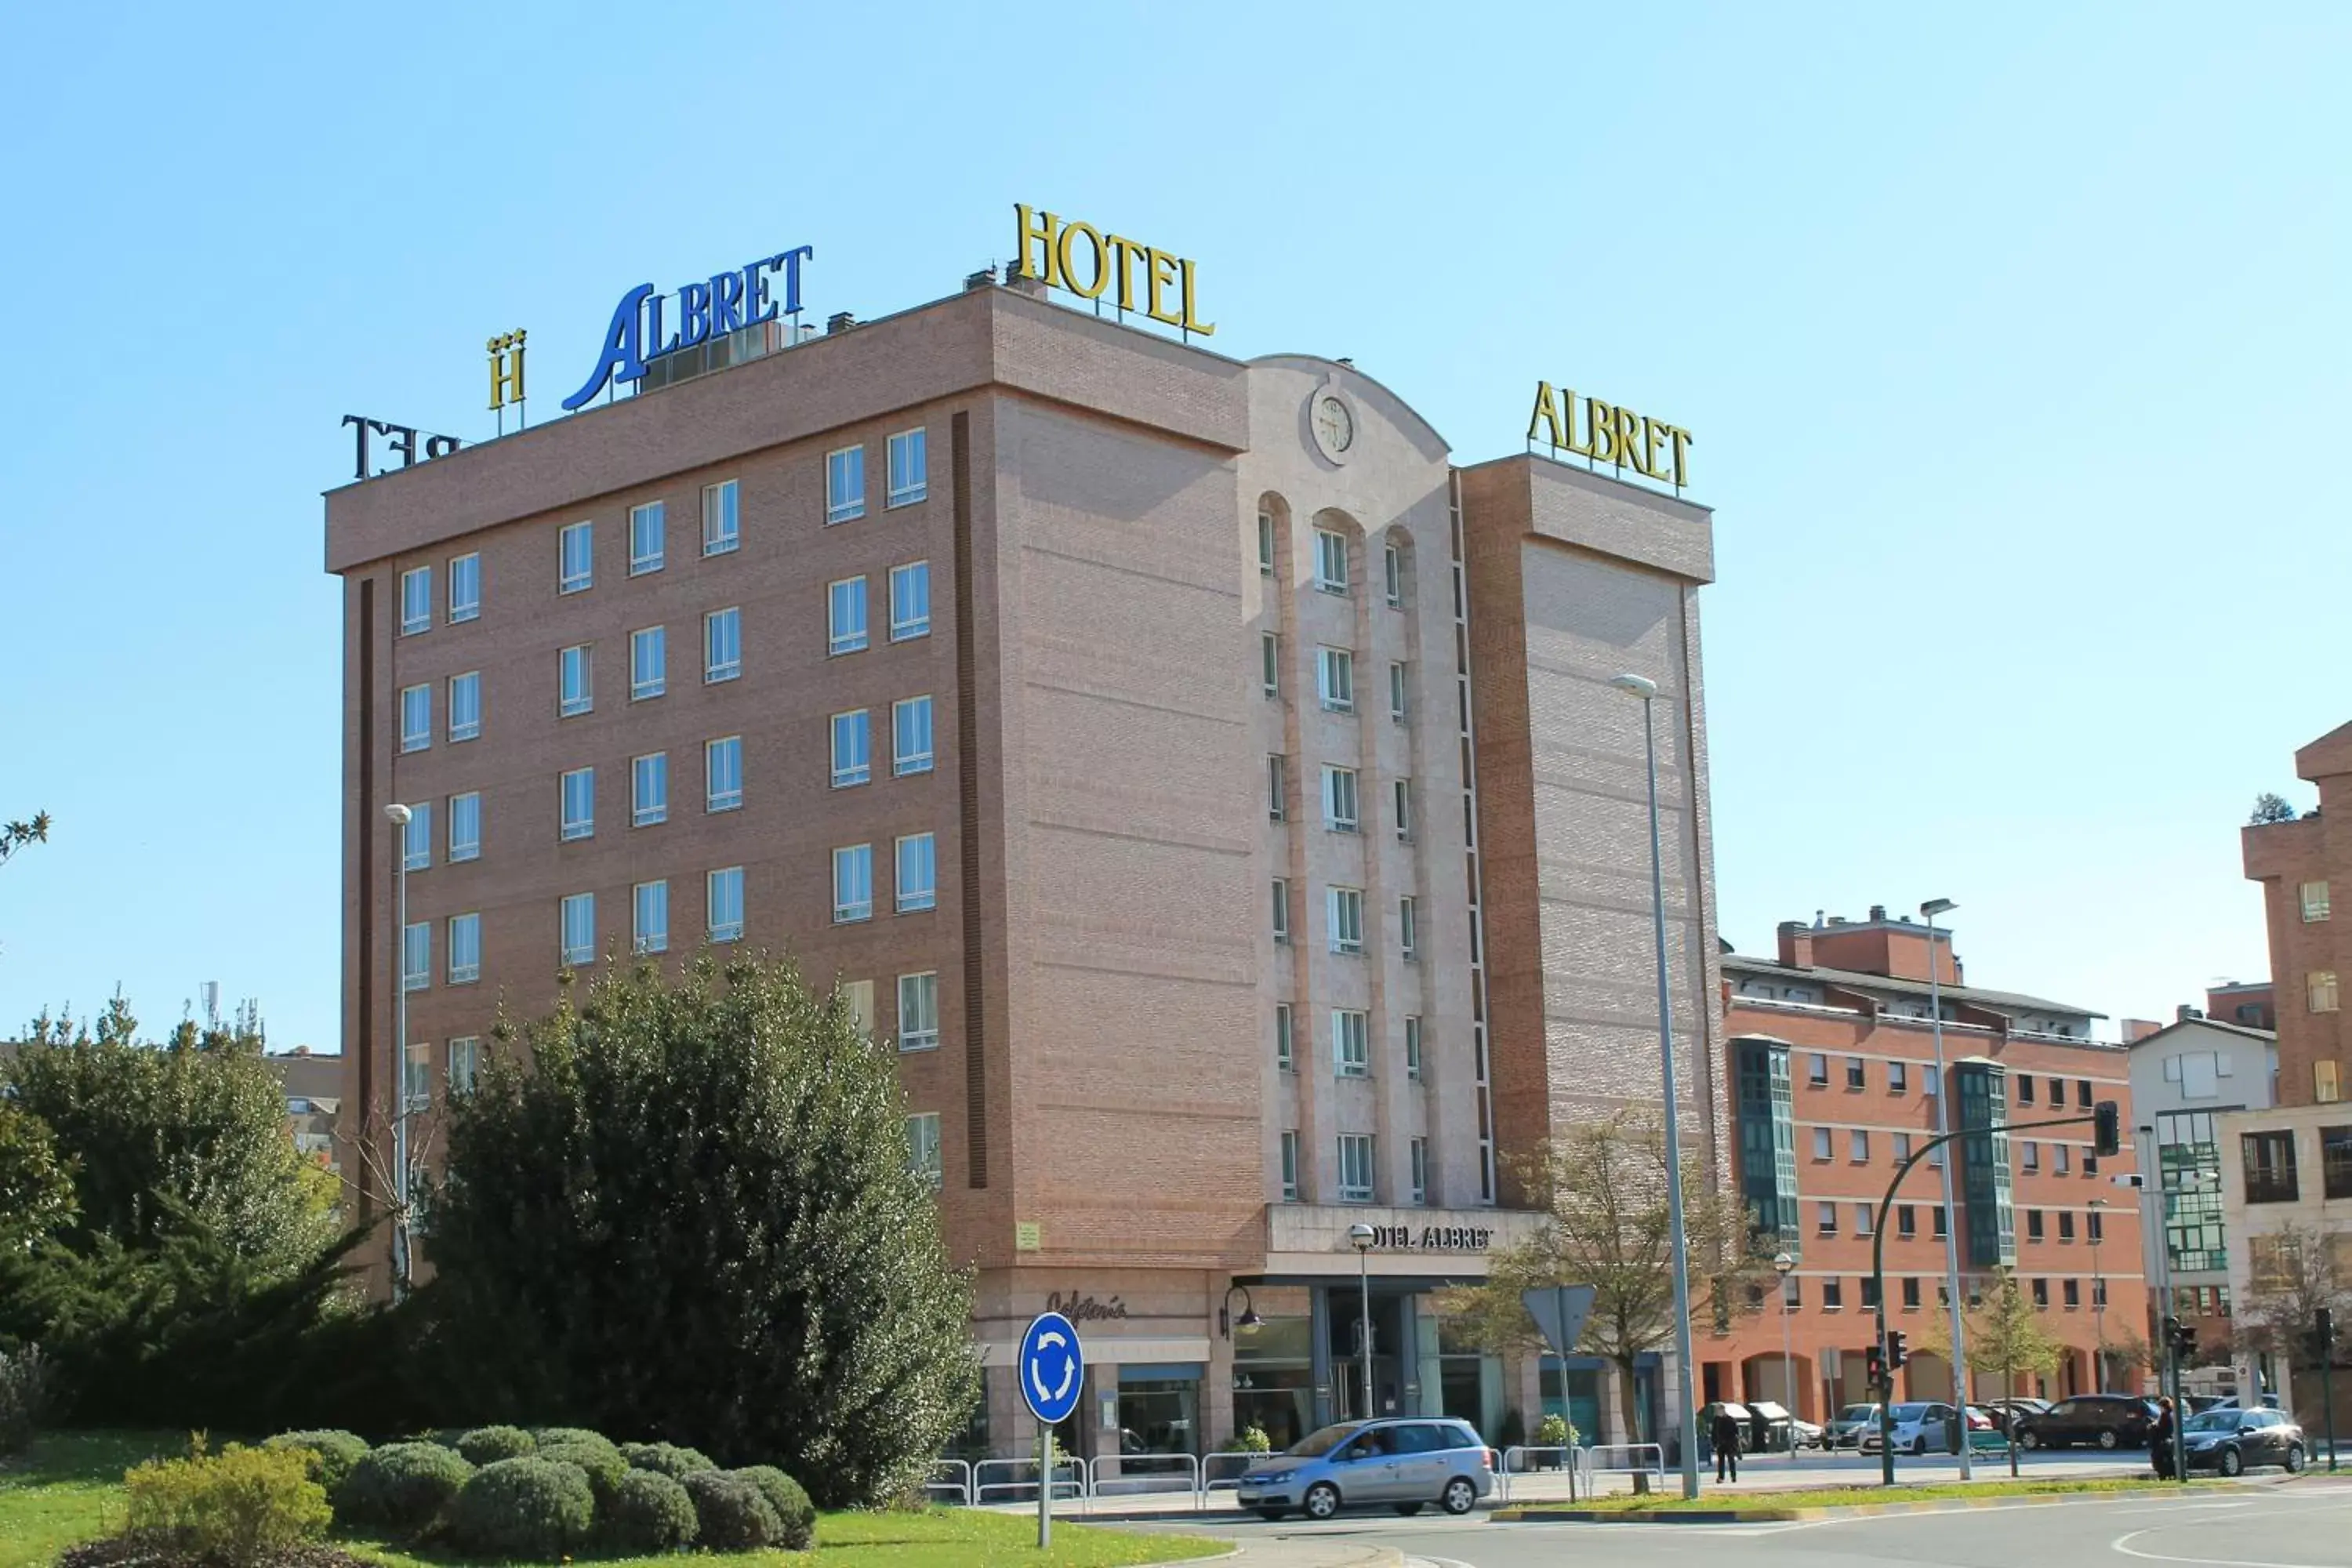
point(1620, 436)
point(727, 302)
point(1081, 258)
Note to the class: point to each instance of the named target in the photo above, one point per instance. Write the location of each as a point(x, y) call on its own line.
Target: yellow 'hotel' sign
point(1612, 434)
point(1082, 258)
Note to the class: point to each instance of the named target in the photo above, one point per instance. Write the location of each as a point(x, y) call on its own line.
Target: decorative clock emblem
point(1331, 419)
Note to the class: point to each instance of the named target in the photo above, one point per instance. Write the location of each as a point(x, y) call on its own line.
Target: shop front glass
point(1160, 1409)
point(1273, 1379)
point(1469, 1382)
point(1574, 1393)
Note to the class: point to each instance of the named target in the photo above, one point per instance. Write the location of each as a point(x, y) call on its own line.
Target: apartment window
point(1911, 1295)
point(1943, 1220)
point(1792, 1293)
point(918, 1011)
point(1825, 1218)
point(857, 1001)
point(2319, 990)
point(721, 529)
point(1898, 1078)
point(417, 840)
point(924, 1158)
point(579, 819)
point(1821, 1149)
point(845, 484)
point(649, 790)
point(1285, 1058)
point(575, 682)
point(2065, 1224)
point(911, 601)
point(910, 736)
point(575, 558)
point(579, 928)
point(2083, 1094)
point(416, 601)
point(851, 749)
point(1408, 928)
point(648, 663)
point(465, 705)
point(846, 616)
point(415, 718)
point(1858, 1146)
point(1902, 1147)
point(2058, 1156)
point(1266, 543)
point(909, 467)
point(1907, 1221)
point(2031, 1158)
point(2269, 1159)
point(2335, 1162)
point(722, 773)
point(465, 587)
point(722, 646)
point(1928, 1087)
point(853, 883)
point(1862, 1216)
point(1392, 567)
point(1281, 909)
point(417, 955)
point(646, 525)
point(466, 826)
point(2326, 1083)
point(2099, 1294)
point(2041, 1292)
point(1857, 1074)
point(2094, 1226)
point(1419, 1151)
point(919, 873)
point(722, 895)
point(465, 1062)
point(1278, 790)
point(1833, 1295)
point(465, 949)
point(1412, 1048)
point(417, 1075)
point(1339, 799)
point(1331, 562)
point(1269, 652)
point(1289, 1166)
point(1350, 1043)
point(1355, 1168)
point(1334, 679)
point(2314, 902)
point(1397, 684)
point(1346, 911)
point(2025, 1089)
point(2033, 1225)
point(1817, 1070)
point(652, 916)
point(1402, 791)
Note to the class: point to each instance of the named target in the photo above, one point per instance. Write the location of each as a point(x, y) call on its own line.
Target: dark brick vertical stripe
point(364, 840)
point(975, 1046)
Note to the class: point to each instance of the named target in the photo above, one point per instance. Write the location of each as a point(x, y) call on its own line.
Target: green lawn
point(70, 1488)
point(1851, 1497)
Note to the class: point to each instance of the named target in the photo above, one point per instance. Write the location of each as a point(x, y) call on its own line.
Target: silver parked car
point(1406, 1462)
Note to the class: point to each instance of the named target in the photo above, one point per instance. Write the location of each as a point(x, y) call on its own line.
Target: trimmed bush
point(730, 1513)
point(551, 1436)
point(239, 1506)
point(488, 1444)
point(669, 1458)
point(597, 1459)
point(523, 1507)
point(329, 1454)
point(794, 1513)
point(403, 1488)
point(647, 1511)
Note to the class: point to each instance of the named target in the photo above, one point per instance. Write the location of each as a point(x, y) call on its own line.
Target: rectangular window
point(417, 840)
point(2269, 1159)
point(1822, 1149)
point(1863, 1216)
point(2033, 1225)
point(2083, 1094)
point(1408, 928)
point(465, 705)
point(1355, 1168)
point(2315, 904)
point(1269, 653)
point(722, 893)
point(1339, 799)
point(579, 819)
point(464, 587)
point(1857, 1074)
point(722, 646)
point(1290, 1166)
point(1350, 1044)
point(853, 751)
point(909, 467)
point(648, 663)
point(919, 873)
point(1869, 1293)
point(1278, 790)
point(853, 883)
point(415, 718)
point(1331, 560)
point(722, 773)
point(1266, 543)
point(2326, 1083)
point(2031, 1160)
point(579, 928)
point(1825, 1218)
point(1334, 679)
point(1403, 792)
point(845, 484)
point(1902, 1147)
point(647, 524)
point(2041, 1292)
point(1907, 1220)
point(1911, 1295)
point(1284, 1052)
point(465, 1062)
point(649, 790)
point(652, 912)
point(910, 736)
point(466, 826)
point(575, 682)
point(1412, 1048)
point(1393, 563)
point(2058, 1156)
point(1419, 1151)
point(1345, 911)
point(417, 1075)
point(923, 1154)
point(2319, 990)
point(911, 601)
point(1281, 909)
point(1858, 1146)
point(1397, 684)
point(2025, 1089)
point(416, 601)
point(575, 558)
point(2094, 1226)
point(465, 949)
point(1817, 1070)
point(1928, 1087)
point(857, 998)
point(417, 955)
point(1898, 1078)
point(2065, 1224)
point(721, 525)
point(918, 1011)
point(1832, 1295)
point(2335, 1163)
point(846, 616)
point(1943, 1218)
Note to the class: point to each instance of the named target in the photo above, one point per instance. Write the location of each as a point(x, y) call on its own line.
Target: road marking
point(2123, 1543)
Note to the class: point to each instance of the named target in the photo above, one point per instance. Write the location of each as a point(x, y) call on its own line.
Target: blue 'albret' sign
point(728, 301)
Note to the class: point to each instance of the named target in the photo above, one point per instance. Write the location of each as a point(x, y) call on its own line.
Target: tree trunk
point(1626, 1393)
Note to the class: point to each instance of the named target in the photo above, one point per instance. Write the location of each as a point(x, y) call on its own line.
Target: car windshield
point(1857, 1413)
point(1909, 1412)
point(1323, 1441)
point(2214, 1421)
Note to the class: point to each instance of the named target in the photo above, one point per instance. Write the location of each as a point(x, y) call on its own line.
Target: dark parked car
point(2095, 1420)
point(2230, 1440)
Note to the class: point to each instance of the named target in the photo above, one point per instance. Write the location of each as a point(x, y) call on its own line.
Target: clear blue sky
point(2012, 338)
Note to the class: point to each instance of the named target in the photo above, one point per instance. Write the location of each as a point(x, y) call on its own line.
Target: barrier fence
point(972, 1482)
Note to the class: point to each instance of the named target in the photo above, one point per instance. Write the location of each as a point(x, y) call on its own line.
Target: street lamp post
point(2097, 1221)
point(1929, 911)
point(399, 817)
point(1361, 1235)
point(1782, 1264)
point(1678, 1238)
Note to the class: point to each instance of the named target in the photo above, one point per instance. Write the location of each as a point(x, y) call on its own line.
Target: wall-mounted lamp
point(1227, 1322)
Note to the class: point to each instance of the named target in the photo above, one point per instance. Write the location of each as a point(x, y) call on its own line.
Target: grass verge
point(1850, 1497)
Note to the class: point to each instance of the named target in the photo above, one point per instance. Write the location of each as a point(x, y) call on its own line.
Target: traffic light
point(2180, 1338)
point(2107, 1128)
point(2323, 1337)
point(1875, 1367)
point(1898, 1350)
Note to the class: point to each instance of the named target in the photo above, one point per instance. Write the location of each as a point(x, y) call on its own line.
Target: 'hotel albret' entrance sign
point(1612, 434)
point(1086, 262)
point(727, 302)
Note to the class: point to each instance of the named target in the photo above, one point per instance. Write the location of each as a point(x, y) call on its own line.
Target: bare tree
point(2295, 1272)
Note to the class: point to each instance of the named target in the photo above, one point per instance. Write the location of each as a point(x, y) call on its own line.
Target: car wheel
point(1918, 1445)
point(2233, 1463)
point(1460, 1496)
point(1322, 1500)
point(2029, 1438)
point(1407, 1509)
point(2107, 1438)
point(2295, 1459)
point(1272, 1515)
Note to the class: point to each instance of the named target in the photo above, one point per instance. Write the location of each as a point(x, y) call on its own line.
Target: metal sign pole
point(1045, 1486)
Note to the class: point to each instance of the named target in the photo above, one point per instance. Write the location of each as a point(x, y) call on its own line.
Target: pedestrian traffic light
point(1875, 1367)
point(1898, 1350)
point(2181, 1338)
point(2323, 1337)
point(2107, 1128)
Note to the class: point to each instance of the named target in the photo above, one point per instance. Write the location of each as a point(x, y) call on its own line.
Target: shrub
point(523, 1507)
point(403, 1488)
point(233, 1507)
point(597, 1459)
point(552, 1436)
point(27, 1387)
point(795, 1514)
point(488, 1444)
point(668, 1458)
point(1551, 1432)
point(330, 1455)
point(647, 1511)
point(730, 1511)
point(1252, 1439)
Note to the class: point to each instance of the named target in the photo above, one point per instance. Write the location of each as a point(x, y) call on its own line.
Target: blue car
point(1406, 1462)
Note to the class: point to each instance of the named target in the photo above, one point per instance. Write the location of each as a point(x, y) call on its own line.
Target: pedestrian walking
point(1726, 1434)
point(2159, 1439)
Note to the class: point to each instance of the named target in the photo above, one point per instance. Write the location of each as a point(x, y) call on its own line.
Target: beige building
point(1213, 795)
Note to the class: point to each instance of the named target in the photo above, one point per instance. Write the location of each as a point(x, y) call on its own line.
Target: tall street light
point(1930, 910)
point(1360, 1235)
point(1782, 1264)
point(399, 817)
point(2097, 1221)
point(1678, 1238)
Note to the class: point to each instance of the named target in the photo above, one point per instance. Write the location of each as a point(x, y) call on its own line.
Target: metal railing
point(961, 1486)
point(1240, 1460)
point(1515, 1462)
point(1069, 1478)
point(1623, 1459)
point(1141, 1474)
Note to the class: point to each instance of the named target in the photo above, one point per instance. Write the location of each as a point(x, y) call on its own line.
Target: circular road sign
point(1051, 1368)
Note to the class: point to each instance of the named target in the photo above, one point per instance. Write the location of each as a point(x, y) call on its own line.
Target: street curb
point(1794, 1515)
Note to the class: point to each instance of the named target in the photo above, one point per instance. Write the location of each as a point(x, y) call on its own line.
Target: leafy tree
point(2294, 1273)
point(683, 1208)
point(15, 836)
point(2007, 1335)
point(2269, 807)
point(36, 1193)
point(2122, 1352)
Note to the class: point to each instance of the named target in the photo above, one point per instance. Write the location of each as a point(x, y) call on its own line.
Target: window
point(1869, 1293)
point(1936, 1156)
point(846, 616)
point(465, 1062)
point(1408, 928)
point(1943, 1218)
point(649, 790)
point(1350, 1044)
point(910, 736)
point(465, 705)
point(466, 826)
point(1822, 1144)
point(1402, 791)
point(1833, 1295)
point(2041, 1292)
point(919, 873)
point(1334, 679)
point(1346, 912)
point(1907, 1221)
point(2083, 1094)
point(2025, 1089)
point(722, 894)
point(417, 955)
point(1898, 1078)
point(575, 682)
point(1412, 1048)
point(415, 718)
point(1269, 652)
point(2269, 1159)
point(1927, 1085)
point(465, 949)
point(1862, 1216)
point(845, 484)
point(1289, 1166)
point(1817, 1070)
point(851, 749)
point(2065, 1224)
point(575, 558)
point(1331, 560)
point(2099, 1294)
point(579, 819)
point(2031, 1158)
point(1355, 1168)
point(648, 523)
point(1392, 567)
point(858, 999)
point(722, 527)
point(579, 923)
point(2033, 1225)
point(911, 601)
point(1857, 1074)
point(465, 587)
point(1339, 799)
point(1418, 1149)
point(722, 773)
point(2335, 1162)
point(853, 883)
point(1285, 1057)
point(909, 467)
point(417, 1075)
point(648, 663)
point(722, 646)
point(1281, 909)
point(652, 916)
point(1397, 682)
point(2326, 1083)
point(1911, 1295)
point(1902, 1147)
point(417, 840)
point(1266, 543)
point(1825, 1218)
point(2094, 1226)
point(2058, 1156)
point(918, 1011)
point(1858, 1146)
point(923, 1157)
point(1277, 791)
point(2314, 900)
point(416, 601)
point(2319, 990)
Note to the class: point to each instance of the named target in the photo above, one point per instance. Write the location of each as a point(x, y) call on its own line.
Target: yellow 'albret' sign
point(1083, 259)
point(1613, 435)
